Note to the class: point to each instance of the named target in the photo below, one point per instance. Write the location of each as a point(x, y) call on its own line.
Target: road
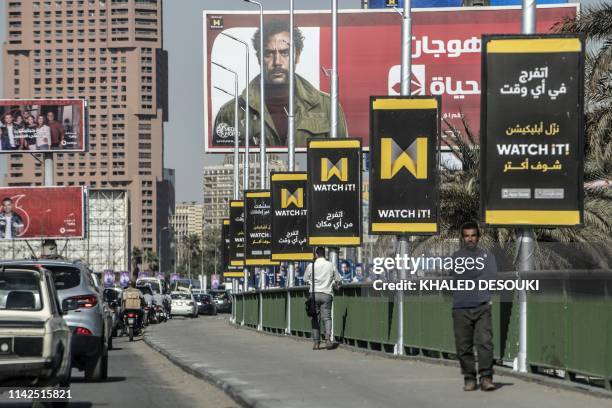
point(273, 371)
point(141, 377)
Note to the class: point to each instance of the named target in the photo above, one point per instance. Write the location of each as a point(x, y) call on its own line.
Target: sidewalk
point(268, 371)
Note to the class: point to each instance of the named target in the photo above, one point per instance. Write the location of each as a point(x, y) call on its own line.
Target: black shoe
point(316, 345)
point(469, 385)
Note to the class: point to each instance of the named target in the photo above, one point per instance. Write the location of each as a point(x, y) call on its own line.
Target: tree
point(151, 258)
point(136, 260)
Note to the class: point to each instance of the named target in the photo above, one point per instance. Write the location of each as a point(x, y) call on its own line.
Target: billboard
point(228, 270)
point(404, 165)
point(236, 233)
point(533, 130)
point(446, 62)
point(381, 4)
point(289, 217)
point(42, 125)
point(258, 228)
point(334, 192)
point(42, 212)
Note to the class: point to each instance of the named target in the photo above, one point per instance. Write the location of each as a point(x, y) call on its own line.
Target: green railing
point(569, 321)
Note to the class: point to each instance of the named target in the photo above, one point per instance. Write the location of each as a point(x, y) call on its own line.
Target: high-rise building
point(110, 53)
point(218, 184)
point(187, 219)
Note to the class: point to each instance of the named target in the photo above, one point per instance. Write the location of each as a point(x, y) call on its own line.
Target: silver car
point(90, 323)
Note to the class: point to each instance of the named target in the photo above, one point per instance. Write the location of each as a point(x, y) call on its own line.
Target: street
point(141, 377)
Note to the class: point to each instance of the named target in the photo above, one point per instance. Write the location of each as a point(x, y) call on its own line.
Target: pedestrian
point(472, 310)
point(325, 277)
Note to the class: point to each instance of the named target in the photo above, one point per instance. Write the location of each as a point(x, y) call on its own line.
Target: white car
point(34, 338)
point(183, 304)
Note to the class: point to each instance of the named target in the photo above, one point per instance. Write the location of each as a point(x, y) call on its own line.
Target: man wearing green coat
point(312, 107)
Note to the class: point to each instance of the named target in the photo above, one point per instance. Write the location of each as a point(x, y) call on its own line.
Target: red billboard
point(42, 125)
point(446, 62)
point(42, 212)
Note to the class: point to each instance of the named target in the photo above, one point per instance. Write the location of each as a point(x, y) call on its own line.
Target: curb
point(232, 391)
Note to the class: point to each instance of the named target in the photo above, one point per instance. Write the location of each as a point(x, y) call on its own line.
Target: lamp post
point(159, 247)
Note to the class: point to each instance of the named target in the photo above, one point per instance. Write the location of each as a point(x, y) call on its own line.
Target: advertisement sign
point(258, 228)
point(228, 270)
point(174, 277)
point(404, 171)
point(42, 212)
point(533, 130)
point(236, 233)
point(381, 4)
point(215, 282)
point(108, 277)
point(289, 217)
point(124, 279)
point(42, 125)
point(446, 62)
point(334, 192)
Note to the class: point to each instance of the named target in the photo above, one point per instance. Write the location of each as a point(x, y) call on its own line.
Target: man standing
point(8, 138)
point(472, 310)
point(11, 224)
point(57, 131)
point(325, 275)
point(312, 107)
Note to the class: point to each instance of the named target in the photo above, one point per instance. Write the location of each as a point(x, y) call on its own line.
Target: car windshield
point(219, 295)
point(65, 277)
point(20, 291)
point(201, 297)
point(145, 290)
point(182, 296)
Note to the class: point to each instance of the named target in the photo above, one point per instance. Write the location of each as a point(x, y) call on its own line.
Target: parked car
point(34, 338)
point(112, 298)
point(90, 322)
point(206, 304)
point(223, 300)
point(183, 304)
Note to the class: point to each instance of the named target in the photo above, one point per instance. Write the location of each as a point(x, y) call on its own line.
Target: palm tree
point(151, 258)
point(136, 260)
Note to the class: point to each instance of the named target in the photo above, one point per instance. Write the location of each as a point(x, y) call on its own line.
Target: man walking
point(325, 275)
point(472, 310)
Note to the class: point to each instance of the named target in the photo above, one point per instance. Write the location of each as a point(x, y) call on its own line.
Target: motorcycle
point(131, 323)
point(160, 314)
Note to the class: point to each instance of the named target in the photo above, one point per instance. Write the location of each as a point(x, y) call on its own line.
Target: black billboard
point(258, 228)
point(404, 147)
point(289, 217)
point(532, 130)
point(236, 231)
point(334, 192)
point(228, 270)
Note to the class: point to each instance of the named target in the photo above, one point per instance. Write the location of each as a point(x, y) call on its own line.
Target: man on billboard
point(57, 131)
point(9, 133)
point(11, 224)
point(312, 107)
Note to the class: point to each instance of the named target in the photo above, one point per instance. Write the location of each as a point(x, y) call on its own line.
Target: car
point(206, 304)
point(34, 338)
point(112, 298)
point(90, 322)
point(223, 300)
point(183, 304)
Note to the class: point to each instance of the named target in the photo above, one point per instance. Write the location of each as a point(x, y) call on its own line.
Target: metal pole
point(291, 112)
point(262, 103)
point(527, 239)
point(334, 72)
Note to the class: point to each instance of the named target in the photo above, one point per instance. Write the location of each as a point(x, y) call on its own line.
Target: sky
point(184, 131)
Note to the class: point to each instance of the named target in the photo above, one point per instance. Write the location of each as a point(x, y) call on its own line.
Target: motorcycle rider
point(128, 302)
point(159, 300)
point(148, 298)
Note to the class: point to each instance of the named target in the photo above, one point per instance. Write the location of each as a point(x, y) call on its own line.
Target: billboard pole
point(402, 240)
point(291, 124)
point(527, 237)
point(333, 114)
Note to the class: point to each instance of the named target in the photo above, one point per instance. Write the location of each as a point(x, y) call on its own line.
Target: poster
point(533, 130)
point(124, 279)
point(446, 62)
point(404, 148)
point(228, 270)
point(289, 217)
point(42, 212)
point(258, 228)
point(108, 277)
point(334, 192)
point(236, 233)
point(42, 125)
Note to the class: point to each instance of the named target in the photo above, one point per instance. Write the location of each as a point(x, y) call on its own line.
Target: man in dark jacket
point(472, 310)
point(57, 131)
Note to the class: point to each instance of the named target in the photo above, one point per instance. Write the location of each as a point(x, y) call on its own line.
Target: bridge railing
point(569, 321)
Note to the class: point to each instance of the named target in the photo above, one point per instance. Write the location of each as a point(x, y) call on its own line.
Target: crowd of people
point(24, 131)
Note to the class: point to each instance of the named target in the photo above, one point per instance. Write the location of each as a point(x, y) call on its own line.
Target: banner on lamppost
point(236, 233)
point(258, 228)
point(532, 130)
point(228, 270)
point(404, 147)
point(289, 217)
point(334, 192)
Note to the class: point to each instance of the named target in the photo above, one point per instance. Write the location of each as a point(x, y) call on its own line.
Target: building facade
point(218, 185)
point(110, 53)
point(187, 219)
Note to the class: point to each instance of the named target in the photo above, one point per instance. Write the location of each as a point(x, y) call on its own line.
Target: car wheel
point(96, 369)
point(110, 343)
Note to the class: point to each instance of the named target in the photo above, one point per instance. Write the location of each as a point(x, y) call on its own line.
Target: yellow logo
point(391, 3)
point(216, 22)
point(338, 169)
point(296, 198)
point(393, 158)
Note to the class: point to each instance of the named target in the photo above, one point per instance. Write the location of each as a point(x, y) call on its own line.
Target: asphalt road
point(140, 377)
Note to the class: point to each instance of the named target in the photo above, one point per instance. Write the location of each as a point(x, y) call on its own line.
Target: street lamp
point(159, 247)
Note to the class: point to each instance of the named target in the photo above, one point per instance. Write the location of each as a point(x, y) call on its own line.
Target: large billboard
point(228, 270)
point(42, 212)
point(533, 130)
point(289, 217)
point(236, 233)
point(42, 125)
point(334, 192)
point(258, 228)
point(446, 62)
point(404, 165)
